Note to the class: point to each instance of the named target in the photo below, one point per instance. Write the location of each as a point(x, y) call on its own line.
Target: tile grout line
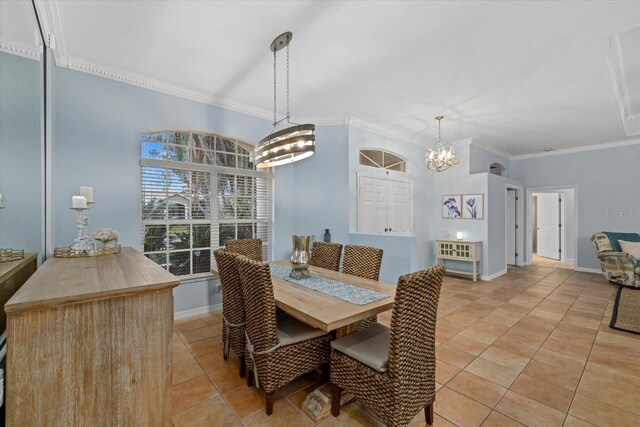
point(531, 358)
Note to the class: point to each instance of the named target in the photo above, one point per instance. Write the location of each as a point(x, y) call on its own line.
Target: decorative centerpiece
point(106, 238)
point(103, 242)
point(7, 255)
point(300, 257)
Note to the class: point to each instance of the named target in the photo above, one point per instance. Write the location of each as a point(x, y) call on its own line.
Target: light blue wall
point(480, 159)
point(320, 194)
point(607, 195)
point(456, 181)
point(496, 204)
point(96, 142)
point(20, 153)
point(402, 255)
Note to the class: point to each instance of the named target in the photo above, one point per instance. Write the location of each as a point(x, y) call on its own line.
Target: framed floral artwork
point(472, 206)
point(451, 207)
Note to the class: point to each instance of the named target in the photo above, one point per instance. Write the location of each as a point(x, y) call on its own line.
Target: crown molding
point(20, 49)
point(163, 87)
point(593, 147)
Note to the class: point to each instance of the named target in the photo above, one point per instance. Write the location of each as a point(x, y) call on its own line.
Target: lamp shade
point(286, 146)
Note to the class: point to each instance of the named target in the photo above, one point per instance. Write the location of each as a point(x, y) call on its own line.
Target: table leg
point(345, 330)
point(317, 404)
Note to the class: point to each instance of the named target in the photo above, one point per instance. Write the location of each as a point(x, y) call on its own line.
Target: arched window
point(200, 189)
point(383, 160)
point(496, 169)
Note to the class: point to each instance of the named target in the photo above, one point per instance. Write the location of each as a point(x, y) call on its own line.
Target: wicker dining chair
point(363, 261)
point(326, 255)
point(279, 348)
point(251, 248)
point(392, 370)
point(233, 318)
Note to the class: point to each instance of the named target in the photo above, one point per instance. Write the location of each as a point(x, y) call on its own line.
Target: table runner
point(343, 291)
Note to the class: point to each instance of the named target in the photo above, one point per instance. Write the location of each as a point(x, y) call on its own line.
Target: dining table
point(329, 314)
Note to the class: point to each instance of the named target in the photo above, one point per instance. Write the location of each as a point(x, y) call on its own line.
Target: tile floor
point(532, 348)
point(548, 262)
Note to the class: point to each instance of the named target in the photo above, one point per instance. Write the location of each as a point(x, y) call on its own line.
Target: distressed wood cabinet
point(89, 343)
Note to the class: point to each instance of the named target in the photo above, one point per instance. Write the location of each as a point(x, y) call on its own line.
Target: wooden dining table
point(326, 312)
point(329, 314)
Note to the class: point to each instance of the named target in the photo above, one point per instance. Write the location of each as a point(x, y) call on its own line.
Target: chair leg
point(335, 400)
point(249, 377)
point(243, 367)
point(428, 413)
point(326, 373)
point(270, 400)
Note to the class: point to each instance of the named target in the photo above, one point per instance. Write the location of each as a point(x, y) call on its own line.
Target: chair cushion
point(631, 248)
point(370, 346)
point(614, 237)
point(291, 330)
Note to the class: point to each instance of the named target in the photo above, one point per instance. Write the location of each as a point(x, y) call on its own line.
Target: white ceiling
point(18, 24)
point(516, 76)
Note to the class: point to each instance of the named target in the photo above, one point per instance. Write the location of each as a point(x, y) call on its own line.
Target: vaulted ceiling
point(517, 76)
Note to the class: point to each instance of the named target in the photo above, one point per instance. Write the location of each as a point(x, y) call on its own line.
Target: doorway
point(514, 233)
point(552, 230)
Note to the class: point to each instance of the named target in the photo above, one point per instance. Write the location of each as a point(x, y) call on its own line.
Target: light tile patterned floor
point(532, 347)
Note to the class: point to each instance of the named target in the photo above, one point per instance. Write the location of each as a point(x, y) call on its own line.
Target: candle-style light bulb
point(87, 193)
point(78, 202)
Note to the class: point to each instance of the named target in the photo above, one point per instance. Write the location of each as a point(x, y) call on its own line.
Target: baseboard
point(493, 276)
point(588, 270)
point(197, 311)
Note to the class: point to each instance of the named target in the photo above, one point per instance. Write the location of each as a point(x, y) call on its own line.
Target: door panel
point(399, 207)
point(372, 205)
point(548, 225)
point(511, 227)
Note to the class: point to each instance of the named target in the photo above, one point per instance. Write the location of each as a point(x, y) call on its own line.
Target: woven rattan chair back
point(412, 361)
point(251, 248)
point(326, 255)
point(259, 303)
point(232, 299)
point(362, 261)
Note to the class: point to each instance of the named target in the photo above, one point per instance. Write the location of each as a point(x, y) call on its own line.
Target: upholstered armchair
point(618, 267)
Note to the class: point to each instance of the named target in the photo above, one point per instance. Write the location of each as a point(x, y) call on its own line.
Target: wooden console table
point(460, 250)
point(89, 343)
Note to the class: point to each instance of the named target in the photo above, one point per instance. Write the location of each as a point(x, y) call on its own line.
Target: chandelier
point(441, 156)
point(293, 143)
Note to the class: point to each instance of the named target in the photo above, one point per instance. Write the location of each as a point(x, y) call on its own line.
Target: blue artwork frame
point(451, 206)
point(473, 206)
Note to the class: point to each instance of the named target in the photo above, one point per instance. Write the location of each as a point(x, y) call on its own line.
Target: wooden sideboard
point(89, 343)
point(13, 275)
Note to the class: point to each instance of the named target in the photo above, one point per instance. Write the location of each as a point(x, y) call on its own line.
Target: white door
point(549, 221)
point(511, 226)
point(399, 212)
point(372, 205)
